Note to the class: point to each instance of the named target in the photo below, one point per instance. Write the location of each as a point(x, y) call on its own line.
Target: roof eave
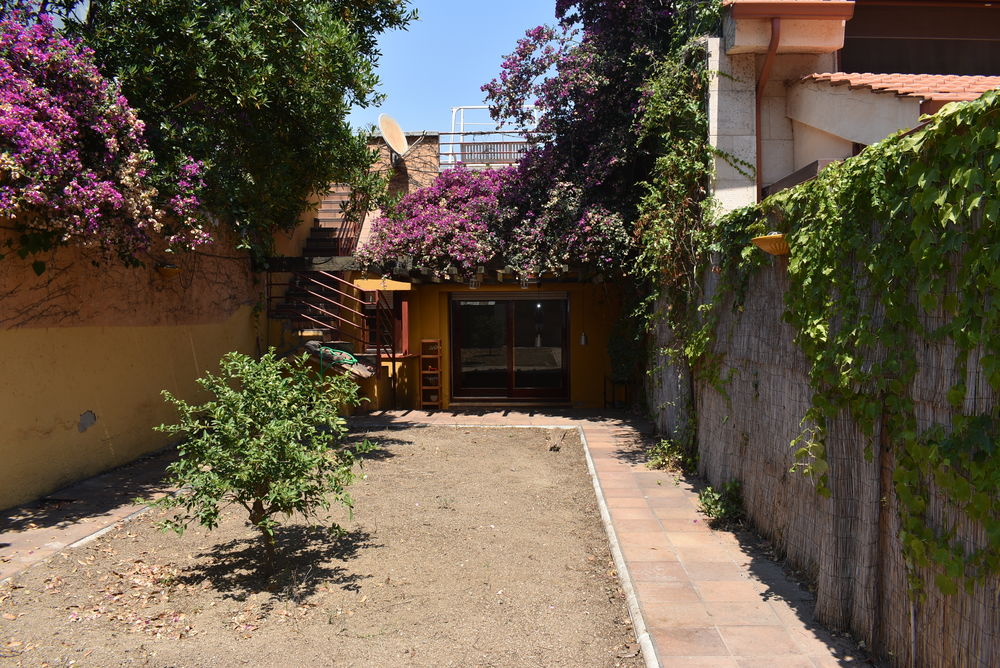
point(829, 10)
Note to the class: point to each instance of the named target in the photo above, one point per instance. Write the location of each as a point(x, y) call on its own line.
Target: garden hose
point(341, 357)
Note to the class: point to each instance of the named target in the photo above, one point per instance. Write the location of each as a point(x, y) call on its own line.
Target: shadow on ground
point(93, 497)
point(635, 450)
point(308, 558)
point(410, 419)
point(765, 564)
point(383, 445)
point(784, 583)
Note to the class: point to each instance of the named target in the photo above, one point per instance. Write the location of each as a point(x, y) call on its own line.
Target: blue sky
point(446, 55)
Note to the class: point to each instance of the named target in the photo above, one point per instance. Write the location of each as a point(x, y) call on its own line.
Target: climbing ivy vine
point(895, 249)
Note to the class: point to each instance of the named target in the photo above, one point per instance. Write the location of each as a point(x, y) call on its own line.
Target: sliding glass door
point(510, 347)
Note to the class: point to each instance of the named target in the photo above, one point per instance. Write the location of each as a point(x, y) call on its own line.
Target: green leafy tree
point(270, 441)
point(256, 91)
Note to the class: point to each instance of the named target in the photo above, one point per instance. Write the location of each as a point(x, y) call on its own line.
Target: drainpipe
point(765, 73)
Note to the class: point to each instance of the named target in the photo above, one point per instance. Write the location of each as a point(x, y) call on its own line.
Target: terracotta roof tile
point(938, 87)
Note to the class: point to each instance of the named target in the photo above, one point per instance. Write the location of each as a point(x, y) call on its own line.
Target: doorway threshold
point(489, 402)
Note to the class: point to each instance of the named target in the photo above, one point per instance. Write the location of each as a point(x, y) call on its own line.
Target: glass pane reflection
point(483, 354)
point(539, 334)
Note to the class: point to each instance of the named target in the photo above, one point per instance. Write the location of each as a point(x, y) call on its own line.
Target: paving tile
point(794, 615)
point(728, 591)
point(758, 640)
point(688, 641)
point(722, 553)
point(657, 571)
point(702, 662)
point(774, 662)
point(839, 660)
point(604, 451)
point(616, 479)
point(618, 492)
point(813, 641)
point(675, 615)
point(667, 494)
point(627, 502)
point(783, 588)
point(680, 511)
point(645, 539)
point(629, 526)
point(633, 513)
point(666, 592)
point(741, 613)
point(656, 479)
point(715, 570)
point(693, 539)
point(612, 465)
point(667, 500)
point(637, 553)
point(681, 523)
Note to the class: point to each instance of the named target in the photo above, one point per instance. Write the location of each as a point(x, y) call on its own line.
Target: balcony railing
point(481, 150)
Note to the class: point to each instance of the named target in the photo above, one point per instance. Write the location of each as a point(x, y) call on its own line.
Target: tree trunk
point(269, 556)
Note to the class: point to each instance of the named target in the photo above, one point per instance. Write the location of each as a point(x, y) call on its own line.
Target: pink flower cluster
point(452, 223)
point(586, 77)
point(469, 219)
point(73, 161)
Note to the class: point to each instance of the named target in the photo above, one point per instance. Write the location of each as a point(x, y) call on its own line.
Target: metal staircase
point(335, 308)
point(322, 304)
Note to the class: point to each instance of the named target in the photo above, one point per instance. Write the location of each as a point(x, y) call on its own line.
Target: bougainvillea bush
point(259, 92)
point(469, 219)
point(452, 223)
point(74, 167)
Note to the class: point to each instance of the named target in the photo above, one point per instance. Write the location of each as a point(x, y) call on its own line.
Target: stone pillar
point(731, 97)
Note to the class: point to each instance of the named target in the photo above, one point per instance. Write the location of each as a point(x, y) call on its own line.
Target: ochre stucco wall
point(593, 309)
point(87, 350)
point(289, 243)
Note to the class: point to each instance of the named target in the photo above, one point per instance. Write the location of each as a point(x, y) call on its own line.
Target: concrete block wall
point(88, 349)
point(731, 124)
point(731, 109)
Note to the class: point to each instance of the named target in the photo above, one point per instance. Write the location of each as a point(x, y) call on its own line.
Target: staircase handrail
point(332, 301)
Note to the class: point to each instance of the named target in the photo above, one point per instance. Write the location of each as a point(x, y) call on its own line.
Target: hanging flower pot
point(773, 244)
point(168, 270)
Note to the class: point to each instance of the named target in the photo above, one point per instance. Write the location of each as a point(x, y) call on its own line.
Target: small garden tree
point(271, 440)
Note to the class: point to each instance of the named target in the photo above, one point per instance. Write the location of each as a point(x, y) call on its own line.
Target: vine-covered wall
point(868, 361)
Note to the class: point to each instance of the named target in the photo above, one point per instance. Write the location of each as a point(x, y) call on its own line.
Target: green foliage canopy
point(256, 90)
point(894, 251)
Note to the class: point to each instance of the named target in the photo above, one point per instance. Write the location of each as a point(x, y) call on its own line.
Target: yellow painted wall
point(106, 339)
point(378, 389)
point(593, 309)
point(290, 243)
point(53, 376)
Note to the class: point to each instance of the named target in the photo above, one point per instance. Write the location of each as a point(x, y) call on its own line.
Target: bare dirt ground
point(468, 547)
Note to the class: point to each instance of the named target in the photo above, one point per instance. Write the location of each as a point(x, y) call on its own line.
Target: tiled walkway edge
point(634, 611)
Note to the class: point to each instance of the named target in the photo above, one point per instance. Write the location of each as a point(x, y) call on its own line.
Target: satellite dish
point(393, 134)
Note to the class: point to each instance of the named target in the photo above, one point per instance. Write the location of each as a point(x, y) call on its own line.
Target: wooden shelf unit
point(430, 373)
